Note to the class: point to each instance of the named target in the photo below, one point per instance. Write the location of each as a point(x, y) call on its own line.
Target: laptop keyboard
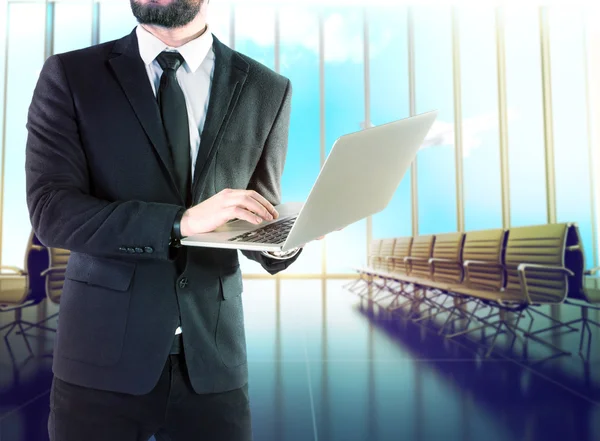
point(274, 233)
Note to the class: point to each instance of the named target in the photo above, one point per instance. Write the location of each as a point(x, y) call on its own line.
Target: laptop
point(359, 178)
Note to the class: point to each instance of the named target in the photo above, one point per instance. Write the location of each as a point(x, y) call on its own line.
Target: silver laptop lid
point(359, 177)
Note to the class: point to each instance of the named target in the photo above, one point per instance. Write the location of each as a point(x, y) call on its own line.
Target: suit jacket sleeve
point(266, 179)
point(63, 212)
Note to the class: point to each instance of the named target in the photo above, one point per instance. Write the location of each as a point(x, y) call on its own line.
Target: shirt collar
point(193, 52)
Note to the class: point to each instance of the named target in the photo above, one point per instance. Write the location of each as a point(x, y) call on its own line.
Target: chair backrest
point(401, 250)
point(448, 247)
point(55, 278)
point(386, 252)
point(539, 245)
point(575, 261)
point(38, 259)
point(421, 251)
point(485, 246)
point(373, 260)
point(14, 288)
point(17, 288)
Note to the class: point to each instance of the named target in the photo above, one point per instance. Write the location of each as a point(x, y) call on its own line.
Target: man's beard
point(176, 14)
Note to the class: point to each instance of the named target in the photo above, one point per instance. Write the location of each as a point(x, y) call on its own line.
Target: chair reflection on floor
point(494, 386)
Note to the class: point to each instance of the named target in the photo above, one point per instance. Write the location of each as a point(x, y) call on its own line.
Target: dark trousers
point(172, 411)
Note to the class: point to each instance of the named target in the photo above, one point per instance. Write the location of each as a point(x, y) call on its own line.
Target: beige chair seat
point(592, 289)
point(421, 281)
point(13, 287)
point(484, 294)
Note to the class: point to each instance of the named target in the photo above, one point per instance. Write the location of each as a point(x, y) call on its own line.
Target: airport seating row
point(503, 272)
point(42, 276)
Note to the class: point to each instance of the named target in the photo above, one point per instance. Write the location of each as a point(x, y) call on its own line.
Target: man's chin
point(165, 13)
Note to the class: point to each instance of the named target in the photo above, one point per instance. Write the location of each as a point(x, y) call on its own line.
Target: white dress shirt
point(195, 79)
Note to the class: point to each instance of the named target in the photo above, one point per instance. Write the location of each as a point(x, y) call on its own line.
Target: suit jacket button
point(131, 250)
point(139, 250)
point(149, 250)
point(183, 283)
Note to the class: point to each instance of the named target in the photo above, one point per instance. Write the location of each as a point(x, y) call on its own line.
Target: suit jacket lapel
point(131, 73)
point(229, 77)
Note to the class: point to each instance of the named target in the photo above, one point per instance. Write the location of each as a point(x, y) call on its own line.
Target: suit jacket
point(100, 183)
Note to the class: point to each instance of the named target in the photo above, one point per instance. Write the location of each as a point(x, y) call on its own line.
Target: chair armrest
point(592, 271)
point(27, 303)
point(468, 263)
point(52, 270)
point(522, 269)
point(435, 260)
point(561, 269)
point(408, 262)
point(14, 269)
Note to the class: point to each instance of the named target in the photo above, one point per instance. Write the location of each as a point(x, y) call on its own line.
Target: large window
point(388, 50)
point(336, 80)
point(219, 19)
point(255, 33)
point(72, 26)
point(299, 61)
point(481, 135)
point(571, 142)
point(116, 20)
point(436, 165)
point(26, 31)
point(344, 113)
point(525, 117)
point(592, 37)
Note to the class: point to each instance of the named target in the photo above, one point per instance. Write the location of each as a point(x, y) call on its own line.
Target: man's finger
point(253, 194)
point(252, 204)
point(243, 214)
point(241, 199)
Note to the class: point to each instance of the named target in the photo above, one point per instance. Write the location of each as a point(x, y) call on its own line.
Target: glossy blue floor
point(325, 365)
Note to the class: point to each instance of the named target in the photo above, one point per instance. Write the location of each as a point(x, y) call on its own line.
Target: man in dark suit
point(133, 144)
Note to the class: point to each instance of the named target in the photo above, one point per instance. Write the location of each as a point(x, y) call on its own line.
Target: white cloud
point(343, 29)
point(473, 129)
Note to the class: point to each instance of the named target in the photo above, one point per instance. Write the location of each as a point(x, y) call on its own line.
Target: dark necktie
point(175, 119)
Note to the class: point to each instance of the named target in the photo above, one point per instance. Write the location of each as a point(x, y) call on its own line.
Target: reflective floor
point(325, 366)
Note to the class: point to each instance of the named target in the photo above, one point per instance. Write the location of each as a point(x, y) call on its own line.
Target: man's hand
point(322, 237)
point(227, 205)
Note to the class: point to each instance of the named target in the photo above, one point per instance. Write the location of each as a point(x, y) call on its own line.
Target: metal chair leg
point(12, 327)
point(494, 339)
point(559, 324)
point(26, 339)
point(31, 325)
